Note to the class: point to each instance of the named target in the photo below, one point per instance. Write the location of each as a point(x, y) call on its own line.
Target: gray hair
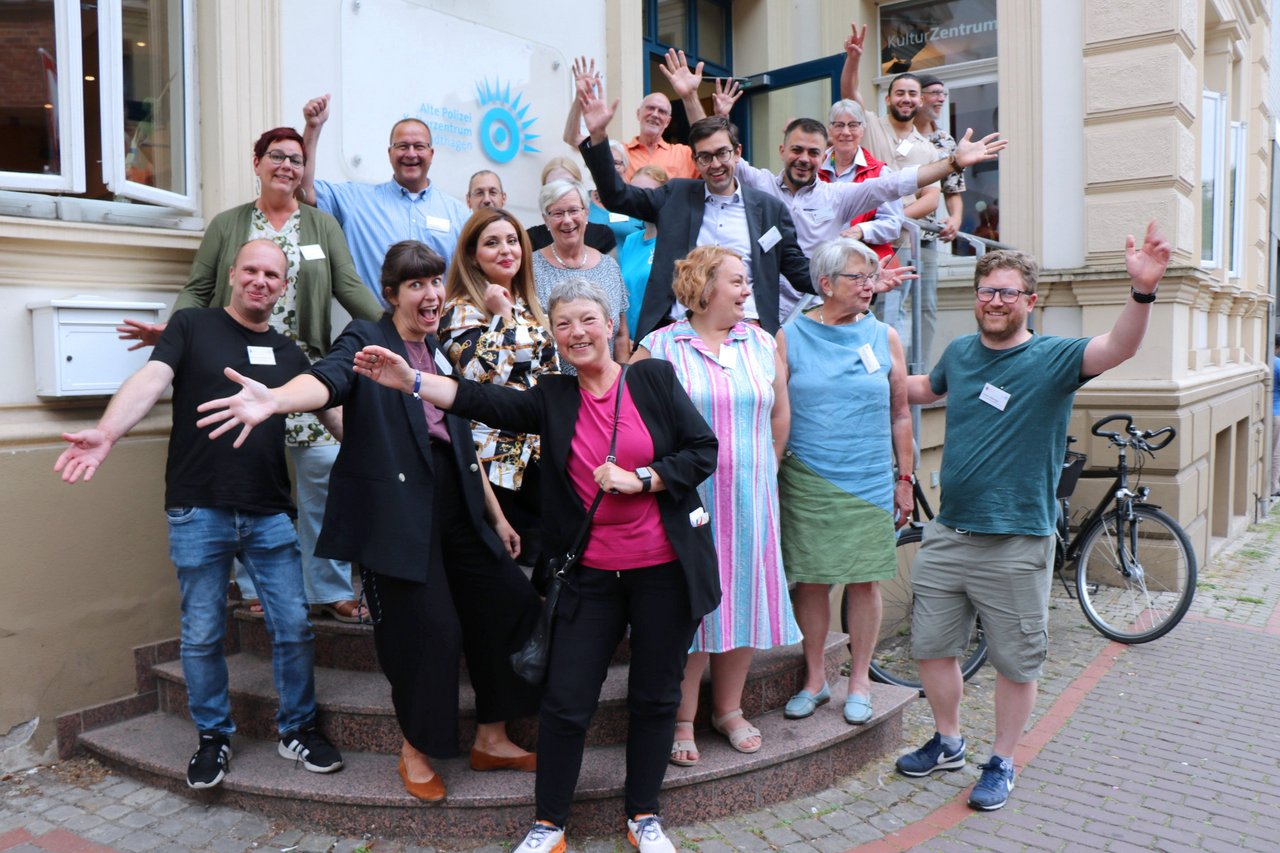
point(621, 151)
point(575, 288)
point(846, 107)
point(833, 256)
point(554, 190)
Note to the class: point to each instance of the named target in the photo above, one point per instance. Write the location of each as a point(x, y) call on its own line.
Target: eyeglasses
point(567, 213)
point(705, 158)
point(278, 157)
point(418, 147)
point(845, 125)
point(859, 278)
point(935, 93)
point(1008, 295)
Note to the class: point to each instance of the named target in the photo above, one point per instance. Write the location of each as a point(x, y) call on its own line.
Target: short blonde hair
point(561, 163)
point(696, 274)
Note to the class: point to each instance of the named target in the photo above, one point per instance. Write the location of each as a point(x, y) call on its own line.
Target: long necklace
point(565, 263)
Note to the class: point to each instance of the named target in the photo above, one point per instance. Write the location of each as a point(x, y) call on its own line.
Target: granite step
point(356, 712)
point(799, 757)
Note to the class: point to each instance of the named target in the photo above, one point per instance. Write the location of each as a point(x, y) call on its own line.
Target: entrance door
point(774, 98)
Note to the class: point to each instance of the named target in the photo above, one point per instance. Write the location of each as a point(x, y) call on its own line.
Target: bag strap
point(572, 556)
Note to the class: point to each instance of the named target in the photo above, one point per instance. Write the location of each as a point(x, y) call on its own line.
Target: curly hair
point(696, 274)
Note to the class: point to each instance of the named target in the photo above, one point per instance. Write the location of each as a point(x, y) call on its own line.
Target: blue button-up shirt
point(374, 216)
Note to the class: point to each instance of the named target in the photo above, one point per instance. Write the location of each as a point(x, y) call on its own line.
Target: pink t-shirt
point(420, 358)
point(627, 531)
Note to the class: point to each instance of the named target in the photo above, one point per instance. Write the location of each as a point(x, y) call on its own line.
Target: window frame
point(1213, 145)
point(1239, 131)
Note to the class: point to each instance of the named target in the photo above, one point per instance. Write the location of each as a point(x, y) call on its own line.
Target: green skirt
point(828, 535)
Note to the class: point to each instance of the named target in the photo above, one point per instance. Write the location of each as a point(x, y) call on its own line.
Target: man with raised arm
point(374, 216)
point(989, 551)
point(223, 504)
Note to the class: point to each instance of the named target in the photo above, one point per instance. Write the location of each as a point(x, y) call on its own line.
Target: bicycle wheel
point(1144, 601)
point(892, 662)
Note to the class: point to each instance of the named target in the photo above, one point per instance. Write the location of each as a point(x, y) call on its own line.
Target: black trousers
point(523, 510)
point(470, 599)
point(593, 614)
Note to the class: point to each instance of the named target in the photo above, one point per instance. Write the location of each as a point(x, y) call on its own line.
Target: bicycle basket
point(1072, 465)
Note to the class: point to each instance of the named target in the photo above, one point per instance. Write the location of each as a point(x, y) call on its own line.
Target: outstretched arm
point(585, 77)
point(968, 151)
point(89, 448)
point(146, 334)
point(1146, 267)
point(315, 113)
point(256, 403)
point(852, 56)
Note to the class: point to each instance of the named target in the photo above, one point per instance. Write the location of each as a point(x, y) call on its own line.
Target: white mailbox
point(78, 352)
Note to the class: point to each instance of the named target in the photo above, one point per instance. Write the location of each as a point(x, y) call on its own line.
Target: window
point(98, 107)
point(701, 29)
point(1235, 260)
point(1212, 140)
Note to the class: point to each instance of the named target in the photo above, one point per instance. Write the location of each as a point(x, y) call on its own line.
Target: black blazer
point(381, 489)
point(677, 207)
point(684, 451)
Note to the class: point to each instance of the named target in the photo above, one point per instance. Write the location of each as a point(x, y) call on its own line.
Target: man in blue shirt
point(374, 216)
point(989, 552)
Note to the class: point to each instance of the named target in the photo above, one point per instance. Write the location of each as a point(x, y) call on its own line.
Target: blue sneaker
point(930, 757)
point(992, 790)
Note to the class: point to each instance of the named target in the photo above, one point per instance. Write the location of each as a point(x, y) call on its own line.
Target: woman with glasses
point(320, 270)
point(849, 162)
point(842, 500)
point(564, 210)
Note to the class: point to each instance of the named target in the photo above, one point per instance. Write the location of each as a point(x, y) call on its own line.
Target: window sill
point(99, 233)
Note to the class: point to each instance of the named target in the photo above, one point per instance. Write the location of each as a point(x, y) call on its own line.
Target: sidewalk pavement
point(1166, 746)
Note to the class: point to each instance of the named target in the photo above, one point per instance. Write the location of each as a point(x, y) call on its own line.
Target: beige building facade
point(1118, 111)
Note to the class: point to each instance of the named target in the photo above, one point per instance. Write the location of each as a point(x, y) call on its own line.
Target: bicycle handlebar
point(1138, 438)
point(1168, 432)
point(1097, 428)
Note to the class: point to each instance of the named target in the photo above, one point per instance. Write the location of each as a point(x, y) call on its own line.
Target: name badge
point(699, 517)
point(443, 367)
point(619, 217)
point(770, 238)
point(262, 355)
point(823, 214)
point(903, 147)
point(993, 396)
point(728, 357)
point(438, 223)
point(312, 252)
point(869, 360)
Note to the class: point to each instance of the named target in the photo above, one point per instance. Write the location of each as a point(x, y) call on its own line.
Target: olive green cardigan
point(319, 281)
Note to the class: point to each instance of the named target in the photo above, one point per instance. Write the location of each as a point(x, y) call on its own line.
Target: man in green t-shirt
point(989, 552)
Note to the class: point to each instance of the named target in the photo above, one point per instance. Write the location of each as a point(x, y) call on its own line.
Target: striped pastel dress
point(734, 392)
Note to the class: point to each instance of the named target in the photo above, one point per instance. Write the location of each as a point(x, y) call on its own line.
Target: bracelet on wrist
point(1140, 297)
point(906, 478)
point(417, 384)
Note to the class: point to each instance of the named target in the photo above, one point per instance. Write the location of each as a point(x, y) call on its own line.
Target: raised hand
point(1146, 266)
point(315, 112)
point(596, 113)
point(253, 405)
point(497, 301)
point(853, 45)
point(684, 81)
point(891, 279)
point(988, 147)
point(585, 75)
point(85, 455)
point(146, 334)
point(725, 96)
point(384, 367)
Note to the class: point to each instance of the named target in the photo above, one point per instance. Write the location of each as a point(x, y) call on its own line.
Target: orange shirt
point(676, 160)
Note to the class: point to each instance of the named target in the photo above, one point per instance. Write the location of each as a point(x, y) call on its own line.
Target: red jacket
point(861, 173)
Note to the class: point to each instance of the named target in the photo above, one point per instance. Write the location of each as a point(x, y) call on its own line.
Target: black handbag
point(530, 662)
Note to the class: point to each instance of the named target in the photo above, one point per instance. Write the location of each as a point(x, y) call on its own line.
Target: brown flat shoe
point(430, 791)
point(484, 761)
point(344, 611)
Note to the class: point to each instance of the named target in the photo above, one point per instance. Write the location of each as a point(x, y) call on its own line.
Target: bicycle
point(1135, 568)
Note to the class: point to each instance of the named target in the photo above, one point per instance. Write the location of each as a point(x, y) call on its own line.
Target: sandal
point(344, 611)
point(737, 736)
point(684, 745)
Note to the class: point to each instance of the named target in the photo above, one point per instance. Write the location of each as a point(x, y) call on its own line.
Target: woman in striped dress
point(732, 373)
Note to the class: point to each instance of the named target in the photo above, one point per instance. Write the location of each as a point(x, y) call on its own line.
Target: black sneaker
point(309, 745)
point(211, 761)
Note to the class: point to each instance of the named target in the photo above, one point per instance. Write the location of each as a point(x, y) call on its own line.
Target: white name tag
point(770, 238)
point(619, 217)
point(903, 147)
point(728, 357)
point(262, 355)
point(993, 396)
point(438, 223)
point(312, 252)
point(442, 364)
point(699, 517)
point(823, 214)
point(869, 360)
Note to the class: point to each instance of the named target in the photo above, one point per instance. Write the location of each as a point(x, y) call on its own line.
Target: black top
point(198, 343)
point(597, 236)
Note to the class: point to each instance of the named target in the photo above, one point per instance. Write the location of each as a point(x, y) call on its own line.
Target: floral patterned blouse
point(500, 353)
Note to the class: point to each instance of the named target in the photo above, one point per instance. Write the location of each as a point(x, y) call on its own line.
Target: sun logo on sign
point(504, 131)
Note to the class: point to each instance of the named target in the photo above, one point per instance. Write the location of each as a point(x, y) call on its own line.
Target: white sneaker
point(645, 832)
point(543, 838)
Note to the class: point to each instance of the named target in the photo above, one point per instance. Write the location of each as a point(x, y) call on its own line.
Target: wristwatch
point(1143, 298)
point(646, 478)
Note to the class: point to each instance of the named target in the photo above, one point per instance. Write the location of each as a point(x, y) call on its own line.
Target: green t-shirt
point(1000, 467)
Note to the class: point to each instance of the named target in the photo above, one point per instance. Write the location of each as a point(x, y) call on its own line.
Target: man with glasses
point(485, 190)
point(933, 96)
point(989, 551)
point(374, 216)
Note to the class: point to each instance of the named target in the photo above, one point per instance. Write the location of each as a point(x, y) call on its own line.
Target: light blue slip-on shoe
point(804, 703)
point(857, 709)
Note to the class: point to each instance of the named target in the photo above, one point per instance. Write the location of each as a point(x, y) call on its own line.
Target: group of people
point(498, 382)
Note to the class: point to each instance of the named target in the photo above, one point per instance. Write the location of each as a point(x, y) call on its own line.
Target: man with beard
point(989, 551)
point(375, 216)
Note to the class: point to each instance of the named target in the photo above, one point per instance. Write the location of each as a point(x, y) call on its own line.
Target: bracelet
point(906, 478)
point(417, 384)
point(955, 164)
point(1142, 298)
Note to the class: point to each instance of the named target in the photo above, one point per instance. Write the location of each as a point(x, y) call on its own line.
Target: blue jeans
point(202, 543)
point(899, 298)
point(326, 581)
